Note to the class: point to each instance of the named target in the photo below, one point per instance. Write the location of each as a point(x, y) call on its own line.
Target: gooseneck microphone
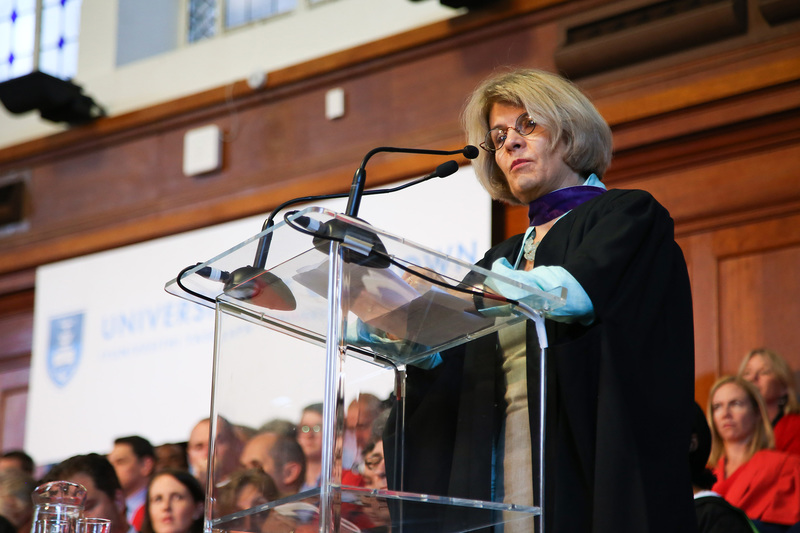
point(360, 177)
point(442, 171)
point(254, 283)
point(248, 283)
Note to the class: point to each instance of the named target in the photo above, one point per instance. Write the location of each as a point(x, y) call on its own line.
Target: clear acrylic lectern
point(326, 308)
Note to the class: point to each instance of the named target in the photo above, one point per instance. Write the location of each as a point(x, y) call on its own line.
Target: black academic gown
point(619, 391)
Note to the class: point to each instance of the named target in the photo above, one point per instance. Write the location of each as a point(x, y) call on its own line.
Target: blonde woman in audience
point(761, 481)
point(774, 379)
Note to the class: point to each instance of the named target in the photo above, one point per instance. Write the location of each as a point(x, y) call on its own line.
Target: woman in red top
point(774, 379)
point(763, 482)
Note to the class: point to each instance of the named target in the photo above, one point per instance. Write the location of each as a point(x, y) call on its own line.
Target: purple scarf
point(554, 204)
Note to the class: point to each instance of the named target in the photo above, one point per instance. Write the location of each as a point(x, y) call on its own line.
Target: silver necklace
point(529, 248)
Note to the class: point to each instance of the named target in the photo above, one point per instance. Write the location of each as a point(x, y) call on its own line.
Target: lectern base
point(372, 511)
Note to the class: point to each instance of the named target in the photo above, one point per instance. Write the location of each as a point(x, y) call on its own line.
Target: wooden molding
point(779, 11)
point(599, 42)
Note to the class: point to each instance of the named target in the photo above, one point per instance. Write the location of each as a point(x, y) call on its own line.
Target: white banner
point(115, 355)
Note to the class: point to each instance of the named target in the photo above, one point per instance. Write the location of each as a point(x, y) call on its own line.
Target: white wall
point(305, 34)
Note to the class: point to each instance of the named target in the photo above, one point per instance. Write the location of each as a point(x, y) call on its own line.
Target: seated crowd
point(744, 456)
point(752, 458)
point(143, 488)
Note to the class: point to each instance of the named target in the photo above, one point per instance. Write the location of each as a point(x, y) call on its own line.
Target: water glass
point(53, 525)
point(93, 525)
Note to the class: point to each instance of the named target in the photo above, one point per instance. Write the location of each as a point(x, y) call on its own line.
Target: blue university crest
point(64, 351)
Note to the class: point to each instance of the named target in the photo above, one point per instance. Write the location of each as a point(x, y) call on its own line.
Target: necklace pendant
point(529, 249)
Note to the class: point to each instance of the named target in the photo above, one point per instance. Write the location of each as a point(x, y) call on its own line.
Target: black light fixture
point(469, 4)
point(57, 100)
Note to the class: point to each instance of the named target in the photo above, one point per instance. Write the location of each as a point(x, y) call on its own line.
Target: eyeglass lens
point(496, 137)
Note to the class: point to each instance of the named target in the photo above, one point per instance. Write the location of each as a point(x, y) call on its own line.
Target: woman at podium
point(620, 361)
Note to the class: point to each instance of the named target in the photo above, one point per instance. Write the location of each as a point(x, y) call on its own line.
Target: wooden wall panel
point(713, 133)
point(759, 303)
point(702, 267)
point(13, 404)
point(737, 185)
point(746, 294)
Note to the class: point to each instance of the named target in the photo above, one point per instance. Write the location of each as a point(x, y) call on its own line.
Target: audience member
point(361, 413)
point(227, 449)
point(309, 436)
point(171, 456)
point(17, 459)
point(764, 483)
point(245, 490)
point(774, 379)
point(16, 507)
point(279, 425)
point(279, 456)
point(244, 433)
point(134, 460)
point(714, 514)
point(374, 466)
point(104, 496)
point(174, 503)
point(376, 509)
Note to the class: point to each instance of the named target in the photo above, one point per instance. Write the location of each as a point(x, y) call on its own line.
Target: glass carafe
point(57, 506)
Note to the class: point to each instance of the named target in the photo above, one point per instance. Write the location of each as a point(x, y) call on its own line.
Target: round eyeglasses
point(306, 429)
point(496, 137)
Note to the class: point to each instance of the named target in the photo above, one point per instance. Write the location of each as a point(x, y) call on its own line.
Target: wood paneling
point(746, 294)
point(712, 132)
point(751, 286)
point(13, 404)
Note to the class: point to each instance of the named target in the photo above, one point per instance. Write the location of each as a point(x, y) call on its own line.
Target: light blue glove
point(358, 333)
point(578, 306)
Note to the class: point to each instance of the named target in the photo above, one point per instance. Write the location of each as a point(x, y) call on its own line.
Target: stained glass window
point(58, 37)
point(203, 14)
point(240, 12)
point(202, 19)
point(17, 37)
point(58, 29)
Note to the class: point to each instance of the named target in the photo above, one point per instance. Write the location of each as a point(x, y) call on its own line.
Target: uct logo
point(66, 343)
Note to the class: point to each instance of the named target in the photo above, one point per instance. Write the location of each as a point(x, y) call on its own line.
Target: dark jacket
point(619, 391)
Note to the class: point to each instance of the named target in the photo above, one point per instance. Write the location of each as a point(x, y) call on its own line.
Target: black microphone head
point(446, 168)
point(335, 229)
point(471, 151)
point(260, 287)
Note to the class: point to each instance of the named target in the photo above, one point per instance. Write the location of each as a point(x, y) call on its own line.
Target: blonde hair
point(555, 104)
point(782, 371)
point(763, 437)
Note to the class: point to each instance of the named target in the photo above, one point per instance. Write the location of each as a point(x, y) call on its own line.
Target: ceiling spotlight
point(57, 100)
